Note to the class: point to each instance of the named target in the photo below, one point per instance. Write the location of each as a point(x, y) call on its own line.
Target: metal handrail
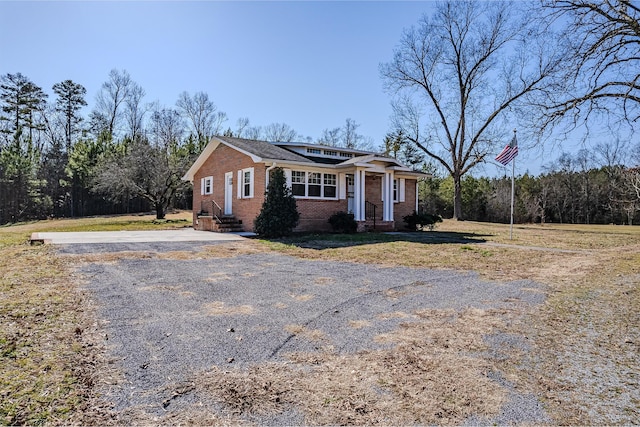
point(216, 211)
point(370, 212)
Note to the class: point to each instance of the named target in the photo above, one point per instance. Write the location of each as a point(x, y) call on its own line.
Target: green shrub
point(279, 214)
point(342, 222)
point(417, 221)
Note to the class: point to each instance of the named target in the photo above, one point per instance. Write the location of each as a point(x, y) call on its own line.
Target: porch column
point(358, 195)
point(387, 188)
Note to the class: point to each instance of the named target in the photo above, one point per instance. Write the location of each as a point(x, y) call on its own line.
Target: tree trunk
point(457, 197)
point(160, 213)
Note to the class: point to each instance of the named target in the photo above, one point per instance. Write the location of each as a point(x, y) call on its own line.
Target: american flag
point(509, 152)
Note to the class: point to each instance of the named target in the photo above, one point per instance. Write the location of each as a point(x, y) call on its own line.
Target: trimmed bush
point(279, 214)
point(417, 221)
point(343, 222)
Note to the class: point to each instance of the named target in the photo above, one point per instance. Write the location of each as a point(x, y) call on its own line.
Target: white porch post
point(356, 195)
point(359, 195)
point(387, 207)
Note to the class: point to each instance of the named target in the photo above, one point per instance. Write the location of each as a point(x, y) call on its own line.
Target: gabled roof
point(263, 151)
point(259, 151)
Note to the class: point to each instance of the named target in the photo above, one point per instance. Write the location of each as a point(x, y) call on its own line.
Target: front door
point(228, 192)
point(350, 189)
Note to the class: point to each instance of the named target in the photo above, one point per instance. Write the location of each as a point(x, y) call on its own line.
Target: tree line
point(573, 190)
point(462, 78)
point(458, 81)
point(126, 155)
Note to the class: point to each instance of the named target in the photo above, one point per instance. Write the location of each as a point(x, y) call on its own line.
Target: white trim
point(287, 176)
point(321, 184)
point(205, 182)
point(342, 185)
point(359, 195)
point(228, 193)
point(361, 160)
point(387, 207)
point(242, 183)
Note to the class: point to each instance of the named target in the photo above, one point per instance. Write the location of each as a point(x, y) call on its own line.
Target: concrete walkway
point(147, 236)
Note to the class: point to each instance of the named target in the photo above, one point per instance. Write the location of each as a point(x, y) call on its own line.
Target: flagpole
point(513, 186)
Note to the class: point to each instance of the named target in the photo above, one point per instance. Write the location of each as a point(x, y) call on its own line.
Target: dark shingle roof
point(264, 149)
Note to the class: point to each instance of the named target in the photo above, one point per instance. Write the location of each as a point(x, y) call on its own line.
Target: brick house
point(231, 175)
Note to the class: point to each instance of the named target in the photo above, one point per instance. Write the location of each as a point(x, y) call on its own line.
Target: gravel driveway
point(166, 320)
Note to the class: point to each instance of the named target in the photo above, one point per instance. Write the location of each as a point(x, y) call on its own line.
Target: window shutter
point(251, 182)
point(401, 189)
point(287, 176)
point(202, 186)
point(342, 186)
point(382, 188)
point(239, 185)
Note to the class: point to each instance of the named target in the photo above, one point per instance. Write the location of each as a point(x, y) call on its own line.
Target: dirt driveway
point(204, 333)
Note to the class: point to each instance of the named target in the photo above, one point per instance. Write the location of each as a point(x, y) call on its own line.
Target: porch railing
point(370, 212)
point(211, 208)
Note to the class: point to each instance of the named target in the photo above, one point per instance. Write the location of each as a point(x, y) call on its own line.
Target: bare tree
point(242, 124)
point(460, 76)
point(253, 132)
point(108, 109)
point(202, 114)
point(167, 127)
point(610, 154)
point(350, 137)
point(330, 137)
point(280, 132)
point(602, 59)
point(134, 111)
point(151, 169)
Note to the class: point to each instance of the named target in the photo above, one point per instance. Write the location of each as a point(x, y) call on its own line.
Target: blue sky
point(308, 64)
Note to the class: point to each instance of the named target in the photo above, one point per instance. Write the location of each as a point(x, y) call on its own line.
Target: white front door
point(228, 192)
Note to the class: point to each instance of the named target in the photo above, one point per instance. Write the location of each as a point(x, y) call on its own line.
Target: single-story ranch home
point(231, 175)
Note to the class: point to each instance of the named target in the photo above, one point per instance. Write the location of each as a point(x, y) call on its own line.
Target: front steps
point(223, 224)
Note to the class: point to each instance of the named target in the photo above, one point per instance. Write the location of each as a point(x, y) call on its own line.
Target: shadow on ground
point(326, 241)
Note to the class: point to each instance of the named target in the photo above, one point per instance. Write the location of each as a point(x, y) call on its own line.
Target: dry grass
point(429, 377)
point(585, 339)
point(218, 308)
point(46, 347)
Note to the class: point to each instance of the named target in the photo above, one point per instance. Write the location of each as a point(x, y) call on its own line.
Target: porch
point(211, 217)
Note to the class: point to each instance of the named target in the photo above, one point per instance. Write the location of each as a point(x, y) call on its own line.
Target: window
point(313, 150)
point(298, 183)
point(395, 190)
point(346, 155)
point(330, 185)
point(245, 183)
point(206, 185)
point(330, 153)
point(314, 184)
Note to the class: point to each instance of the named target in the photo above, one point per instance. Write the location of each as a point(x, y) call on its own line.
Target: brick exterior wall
point(408, 206)
point(314, 214)
point(373, 193)
point(223, 160)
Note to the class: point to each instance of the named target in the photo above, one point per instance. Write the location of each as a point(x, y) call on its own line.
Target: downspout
point(269, 169)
